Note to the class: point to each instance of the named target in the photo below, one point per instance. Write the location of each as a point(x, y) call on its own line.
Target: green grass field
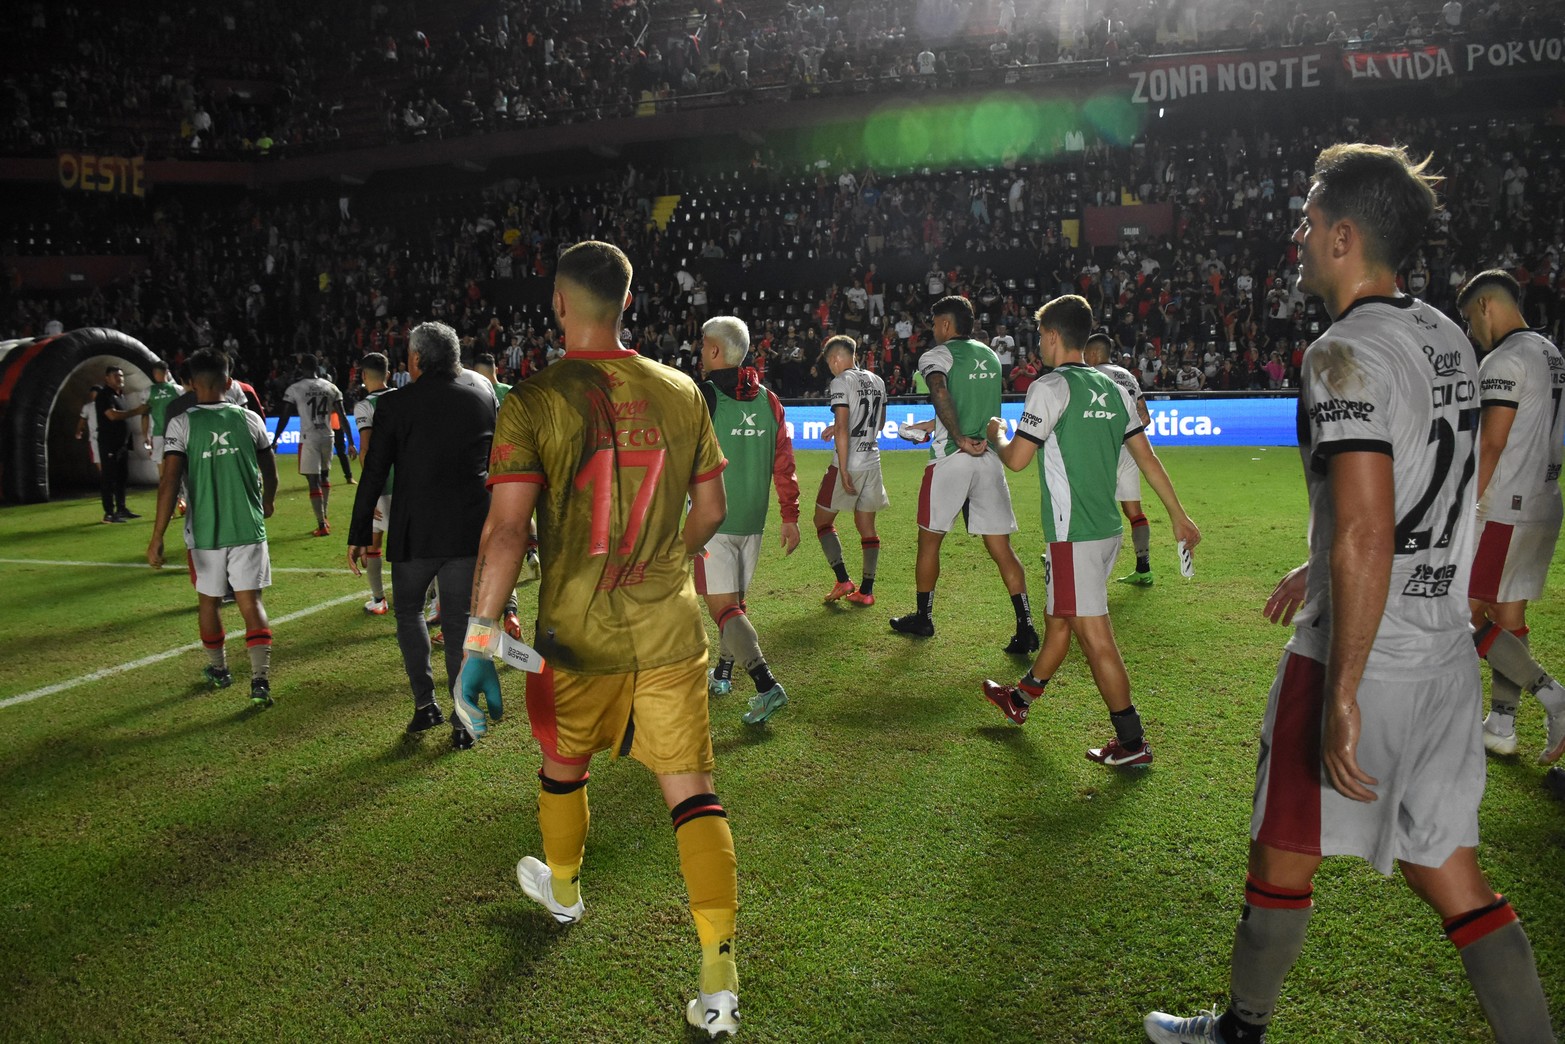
point(912, 866)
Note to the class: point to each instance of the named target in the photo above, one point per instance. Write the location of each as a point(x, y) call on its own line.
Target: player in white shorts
point(1077, 422)
point(1127, 489)
point(315, 400)
point(963, 475)
point(1370, 746)
point(372, 370)
point(221, 452)
point(853, 482)
point(1520, 384)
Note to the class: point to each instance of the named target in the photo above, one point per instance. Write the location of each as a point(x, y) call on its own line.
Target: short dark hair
point(309, 364)
point(601, 269)
point(160, 365)
point(1102, 344)
point(1070, 316)
point(209, 366)
point(1496, 278)
point(484, 359)
point(113, 368)
point(960, 309)
point(1382, 191)
point(374, 362)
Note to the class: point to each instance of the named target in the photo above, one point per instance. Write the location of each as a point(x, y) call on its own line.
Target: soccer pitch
point(912, 867)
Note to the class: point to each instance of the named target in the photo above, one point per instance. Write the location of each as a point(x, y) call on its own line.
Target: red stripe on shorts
point(701, 573)
point(540, 712)
point(828, 487)
point(1062, 579)
point(1291, 818)
point(923, 496)
point(1494, 543)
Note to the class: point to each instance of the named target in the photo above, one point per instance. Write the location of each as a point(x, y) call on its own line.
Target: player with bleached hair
point(1370, 746)
point(750, 426)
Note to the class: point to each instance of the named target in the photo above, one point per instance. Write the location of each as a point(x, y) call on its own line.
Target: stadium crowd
point(1213, 304)
point(268, 77)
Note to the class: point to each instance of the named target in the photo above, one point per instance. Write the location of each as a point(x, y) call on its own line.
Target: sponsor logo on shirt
point(1031, 419)
point(1446, 364)
point(748, 426)
point(981, 371)
point(1497, 384)
point(1330, 410)
point(1430, 581)
point(1100, 400)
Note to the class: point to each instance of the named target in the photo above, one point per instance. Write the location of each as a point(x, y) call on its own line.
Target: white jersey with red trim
point(1526, 373)
point(1395, 376)
point(864, 395)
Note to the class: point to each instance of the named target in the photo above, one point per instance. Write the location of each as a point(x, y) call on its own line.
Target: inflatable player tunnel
point(44, 383)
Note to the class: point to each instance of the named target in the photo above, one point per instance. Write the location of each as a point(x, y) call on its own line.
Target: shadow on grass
point(748, 736)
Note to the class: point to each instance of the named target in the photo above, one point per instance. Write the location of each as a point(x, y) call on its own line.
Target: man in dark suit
point(436, 432)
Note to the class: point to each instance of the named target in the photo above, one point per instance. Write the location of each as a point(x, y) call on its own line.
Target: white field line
point(142, 565)
point(147, 661)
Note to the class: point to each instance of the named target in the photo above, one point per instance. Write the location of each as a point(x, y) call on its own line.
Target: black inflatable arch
point(43, 385)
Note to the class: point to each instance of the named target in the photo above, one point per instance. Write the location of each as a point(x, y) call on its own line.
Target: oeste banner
point(114, 175)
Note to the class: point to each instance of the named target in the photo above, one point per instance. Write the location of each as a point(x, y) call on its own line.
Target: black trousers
point(116, 473)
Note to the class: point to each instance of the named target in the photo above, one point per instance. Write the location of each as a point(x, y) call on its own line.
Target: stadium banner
point(118, 175)
point(1170, 79)
point(289, 443)
point(1411, 65)
point(1267, 421)
point(1403, 66)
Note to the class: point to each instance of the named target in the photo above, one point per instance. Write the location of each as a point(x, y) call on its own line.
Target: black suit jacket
point(436, 431)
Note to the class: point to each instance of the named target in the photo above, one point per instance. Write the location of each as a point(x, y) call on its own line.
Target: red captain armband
point(483, 637)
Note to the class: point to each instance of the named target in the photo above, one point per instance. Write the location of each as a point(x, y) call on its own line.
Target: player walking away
point(485, 365)
point(162, 392)
point(1127, 489)
point(1082, 421)
point(113, 413)
point(858, 405)
point(962, 475)
point(605, 445)
point(316, 401)
point(1520, 383)
point(372, 370)
point(223, 455)
point(1370, 746)
point(749, 422)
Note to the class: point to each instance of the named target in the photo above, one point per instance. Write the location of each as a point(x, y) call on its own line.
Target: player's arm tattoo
point(945, 408)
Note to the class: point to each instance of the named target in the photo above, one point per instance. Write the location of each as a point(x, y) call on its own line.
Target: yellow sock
point(706, 858)
point(562, 820)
